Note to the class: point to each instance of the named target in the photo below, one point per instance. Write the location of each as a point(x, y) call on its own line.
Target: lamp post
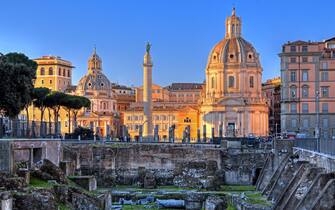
point(317, 128)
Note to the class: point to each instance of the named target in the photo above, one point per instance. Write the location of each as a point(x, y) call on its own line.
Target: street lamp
point(317, 128)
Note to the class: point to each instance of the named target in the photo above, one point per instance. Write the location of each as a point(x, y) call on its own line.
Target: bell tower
point(233, 25)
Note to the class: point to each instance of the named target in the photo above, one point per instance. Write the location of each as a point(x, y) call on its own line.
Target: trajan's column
point(147, 94)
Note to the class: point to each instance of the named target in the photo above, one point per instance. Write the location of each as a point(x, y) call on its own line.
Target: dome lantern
point(94, 62)
point(233, 25)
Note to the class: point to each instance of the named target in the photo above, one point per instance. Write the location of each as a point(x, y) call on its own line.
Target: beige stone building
point(233, 98)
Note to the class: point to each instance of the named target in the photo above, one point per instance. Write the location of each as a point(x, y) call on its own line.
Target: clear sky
point(182, 32)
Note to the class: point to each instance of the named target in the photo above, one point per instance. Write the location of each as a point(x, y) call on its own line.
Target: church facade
point(102, 117)
point(232, 102)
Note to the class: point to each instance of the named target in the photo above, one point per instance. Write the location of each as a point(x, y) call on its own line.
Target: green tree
point(74, 104)
point(55, 101)
point(39, 95)
point(17, 73)
point(82, 102)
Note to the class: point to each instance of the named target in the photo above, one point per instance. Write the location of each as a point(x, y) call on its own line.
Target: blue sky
point(182, 32)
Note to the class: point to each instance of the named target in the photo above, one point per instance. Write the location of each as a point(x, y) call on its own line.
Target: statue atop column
point(148, 47)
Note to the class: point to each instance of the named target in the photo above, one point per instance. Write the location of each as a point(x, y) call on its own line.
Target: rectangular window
point(293, 91)
point(293, 48)
point(305, 123)
point(251, 81)
point(42, 81)
point(325, 122)
point(305, 91)
point(304, 48)
point(293, 108)
point(231, 81)
point(293, 76)
point(293, 59)
point(50, 81)
point(325, 92)
point(324, 107)
point(304, 75)
point(304, 59)
point(324, 65)
point(293, 123)
point(324, 75)
point(304, 107)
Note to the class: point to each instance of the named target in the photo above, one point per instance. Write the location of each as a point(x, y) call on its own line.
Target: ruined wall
point(50, 149)
point(171, 164)
point(12, 151)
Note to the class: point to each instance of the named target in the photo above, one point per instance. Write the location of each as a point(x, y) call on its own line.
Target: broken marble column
point(6, 201)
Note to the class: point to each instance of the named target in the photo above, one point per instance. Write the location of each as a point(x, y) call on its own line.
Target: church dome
point(233, 49)
point(94, 80)
point(97, 81)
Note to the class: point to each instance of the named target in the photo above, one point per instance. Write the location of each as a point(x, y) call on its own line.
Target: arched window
point(63, 72)
point(60, 72)
point(293, 91)
point(251, 81)
point(231, 81)
point(305, 91)
point(68, 73)
point(42, 71)
point(51, 71)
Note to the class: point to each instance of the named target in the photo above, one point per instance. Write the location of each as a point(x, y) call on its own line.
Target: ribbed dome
point(96, 81)
point(233, 50)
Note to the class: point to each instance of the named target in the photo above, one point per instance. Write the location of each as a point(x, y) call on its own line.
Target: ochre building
point(54, 73)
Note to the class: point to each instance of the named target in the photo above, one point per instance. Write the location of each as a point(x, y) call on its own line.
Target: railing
point(326, 146)
point(31, 129)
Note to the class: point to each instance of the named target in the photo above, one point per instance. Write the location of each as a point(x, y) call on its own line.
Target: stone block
point(234, 145)
point(87, 182)
point(24, 173)
point(67, 167)
point(193, 201)
point(215, 203)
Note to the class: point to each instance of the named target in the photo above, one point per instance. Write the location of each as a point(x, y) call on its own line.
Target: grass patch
point(231, 207)
point(257, 198)
point(136, 188)
point(39, 183)
point(141, 207)
point(63, 206)
point(238, 188)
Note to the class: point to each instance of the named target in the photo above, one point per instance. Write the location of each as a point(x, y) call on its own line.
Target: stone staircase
point(292, 182)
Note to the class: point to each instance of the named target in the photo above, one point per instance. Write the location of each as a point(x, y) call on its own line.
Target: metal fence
point(326, 146)
point(31, 129)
